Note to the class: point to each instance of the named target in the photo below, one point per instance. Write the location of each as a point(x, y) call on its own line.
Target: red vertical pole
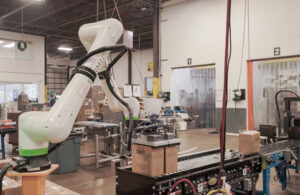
point(224, 105)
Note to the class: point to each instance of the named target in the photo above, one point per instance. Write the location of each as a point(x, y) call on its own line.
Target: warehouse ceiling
point(59, 20)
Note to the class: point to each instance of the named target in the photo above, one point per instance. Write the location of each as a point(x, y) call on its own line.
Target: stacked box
point(13, 137)
point(154, 161)
point(171, 159)
point(81, 114)
point(147, 160)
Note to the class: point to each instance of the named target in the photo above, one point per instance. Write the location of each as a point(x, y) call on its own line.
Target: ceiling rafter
point(59, 21)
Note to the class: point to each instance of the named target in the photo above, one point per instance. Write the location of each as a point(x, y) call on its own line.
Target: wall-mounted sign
point(276, 51)
point(150, 66)
point(136, 90)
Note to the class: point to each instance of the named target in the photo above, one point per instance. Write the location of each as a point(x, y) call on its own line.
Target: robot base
point(32, 163)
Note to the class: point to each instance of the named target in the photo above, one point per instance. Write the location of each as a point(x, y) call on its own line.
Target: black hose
point(2, 174)
point(100, 50)
point(55, 147)
point(238, 191)
point(277, 107)
point(106, 75)
point(111, 89)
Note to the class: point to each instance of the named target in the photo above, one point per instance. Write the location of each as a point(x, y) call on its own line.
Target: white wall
point(140, 58)
point(196, 29)
point(61, 61)
point(25, 71)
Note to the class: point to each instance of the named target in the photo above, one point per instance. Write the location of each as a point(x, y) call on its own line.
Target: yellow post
point(155, 87)
point(46, 95)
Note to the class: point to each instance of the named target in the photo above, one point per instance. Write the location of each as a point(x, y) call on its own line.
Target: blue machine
point(281, 161)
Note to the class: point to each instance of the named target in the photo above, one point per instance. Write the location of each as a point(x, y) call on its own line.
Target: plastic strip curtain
point(193, 89)
point(268, 78)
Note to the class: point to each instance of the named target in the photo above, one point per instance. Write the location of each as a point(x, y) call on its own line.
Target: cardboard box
point(88, 104)
point(96, 94)
point(13, 137)
point(147, 160)
point(81, 115)
point(249, 142)
point(11, 187)
point(171, 159)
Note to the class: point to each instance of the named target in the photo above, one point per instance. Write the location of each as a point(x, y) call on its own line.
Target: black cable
point(238, 191)
point(277, 107)
point(243, 45)
point(55, 147)
point(105, 74)
point(112, 70)
point(100, 50)
point(111, 89)
point(91, 74)
point(2, 174)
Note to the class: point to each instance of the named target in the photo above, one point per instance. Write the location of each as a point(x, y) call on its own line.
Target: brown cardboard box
point(13, 137)
point(147, 160)
point(249, 142)
point(88, 104)
point(81, 115)
point(171, 159)
point(97, 92)
point(11, 187)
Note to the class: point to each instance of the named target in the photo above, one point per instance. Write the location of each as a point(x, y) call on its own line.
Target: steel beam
point(15, 10)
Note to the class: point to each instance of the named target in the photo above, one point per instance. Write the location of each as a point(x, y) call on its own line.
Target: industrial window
point(57, 79)
point(149, 86)
point(9, 92)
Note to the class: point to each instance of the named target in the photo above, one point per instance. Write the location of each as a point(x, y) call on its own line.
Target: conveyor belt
point(210, 157)
point(277, 146)
point(203, 161)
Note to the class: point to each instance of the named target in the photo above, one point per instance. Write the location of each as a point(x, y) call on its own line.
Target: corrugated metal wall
point(193, 89)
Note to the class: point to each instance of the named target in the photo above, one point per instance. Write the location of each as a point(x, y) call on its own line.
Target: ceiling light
point(143, 8)
point(65, 48)
point(9, 45)
point(1, 41)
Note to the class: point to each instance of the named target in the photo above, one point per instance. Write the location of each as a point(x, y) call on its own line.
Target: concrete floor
point(87, 180)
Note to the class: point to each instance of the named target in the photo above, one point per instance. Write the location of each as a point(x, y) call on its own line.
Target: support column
point(156, 57)
point(45, 71)
point(129, 67)
point(266, 181)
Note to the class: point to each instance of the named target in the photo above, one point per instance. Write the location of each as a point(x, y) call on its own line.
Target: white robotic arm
point(37, 129)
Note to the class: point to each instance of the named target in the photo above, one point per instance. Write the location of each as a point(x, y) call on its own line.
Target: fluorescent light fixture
point(64, 48)
point(9, 45)
point(1, 41)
